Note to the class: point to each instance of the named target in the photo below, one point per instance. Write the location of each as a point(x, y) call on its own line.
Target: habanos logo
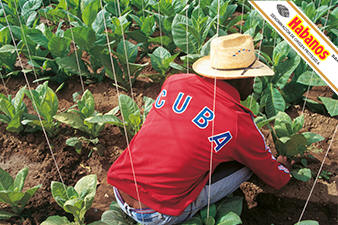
point(311, 44)
point(304, 33)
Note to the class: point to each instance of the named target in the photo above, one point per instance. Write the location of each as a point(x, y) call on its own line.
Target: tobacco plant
point(160, 62)
point(126, 54)
point(133, 119)
point(76, 118)
point(13, 110)
point(45, 102)
point(75, 200)
point(291, 143)
point(11, 192)
point(197, 28)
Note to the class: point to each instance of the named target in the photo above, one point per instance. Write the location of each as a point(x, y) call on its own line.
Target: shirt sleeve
point(252, 151)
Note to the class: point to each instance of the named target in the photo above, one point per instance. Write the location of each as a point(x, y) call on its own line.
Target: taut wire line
point(213, 121)
point(3, 82)
point(24, 37)
point(125, 52)
point(321, 167)
point(187, 37)
point(33, 100)
point(75, 49)
point(240, 30)
point(123, 120)
point(159, 21)
point(317, 177)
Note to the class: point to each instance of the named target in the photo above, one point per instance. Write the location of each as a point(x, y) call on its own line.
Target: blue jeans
point(220, 187)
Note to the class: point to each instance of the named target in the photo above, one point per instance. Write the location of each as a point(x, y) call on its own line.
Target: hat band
point(243, 68)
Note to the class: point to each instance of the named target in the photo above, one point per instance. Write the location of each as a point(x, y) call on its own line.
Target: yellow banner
point(303, 36)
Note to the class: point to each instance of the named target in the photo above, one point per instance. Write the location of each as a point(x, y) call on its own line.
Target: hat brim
point(203, 67)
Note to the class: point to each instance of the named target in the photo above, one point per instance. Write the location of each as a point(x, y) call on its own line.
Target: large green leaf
point(15, 124)
point(148, 103)
point(7, 107)
point(303, 174)
point(72, 120)
point(208, 209)
point(86, 186)
point(251, 104)
point(283, 125)
point(148, 26)
point(59, 46)
point(20, 179)
point(90, 12)
point(17, 101)
point(307, 222)
point(37, 37)
point(158, 59)
point(111, 119)
point(230, 219)
point(74, 65)
point(4, 118)
point(12, 198)
point(5, 36)
point(311, 78)
point(184, 40)
point(30, 5)
point(331, 105)
point(297, 124)
point(102, 18)
point(226, 205)
point(87, 104)
point(6, 215)
point(293, 92)
point(6, 181)
point(28, 195)
point(280, 52)
point(131, 49)
point(284, 71)
point(127, 106)
point(74, 207)
point(274, 101)
point(59, 192)
point(82, 36)
point(115, 217)
point(56, 220)
point(312, 138)
point(193, 221)
point(76, 143)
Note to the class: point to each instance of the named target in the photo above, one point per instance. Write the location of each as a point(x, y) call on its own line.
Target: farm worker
point(163, 176)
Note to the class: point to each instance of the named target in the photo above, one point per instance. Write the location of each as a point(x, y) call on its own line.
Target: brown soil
point(263, 205)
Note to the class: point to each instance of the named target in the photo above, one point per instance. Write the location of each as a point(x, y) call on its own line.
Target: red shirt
point(171, 152)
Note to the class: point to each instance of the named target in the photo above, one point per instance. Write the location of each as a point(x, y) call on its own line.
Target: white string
point(125, 52)
point(75, 49)
point(240, 30)
point(318, 174)
point(24, 37)
point(159, 22)
point(123, 120)
point(321, 167)
point(33, 100)
point(187, 39)
point(3, 82)
point(213, 122)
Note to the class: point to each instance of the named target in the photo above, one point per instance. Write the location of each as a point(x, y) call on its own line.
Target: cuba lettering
point(220, 140)
point(178, 101)
point(203, 118)
point(159, 103)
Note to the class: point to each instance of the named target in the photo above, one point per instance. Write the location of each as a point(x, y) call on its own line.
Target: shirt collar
point(229, 91)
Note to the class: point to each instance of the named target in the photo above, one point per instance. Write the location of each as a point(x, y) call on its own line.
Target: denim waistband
point(120, 199)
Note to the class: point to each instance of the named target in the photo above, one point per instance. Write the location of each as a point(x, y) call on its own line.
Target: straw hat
point(231, 57)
